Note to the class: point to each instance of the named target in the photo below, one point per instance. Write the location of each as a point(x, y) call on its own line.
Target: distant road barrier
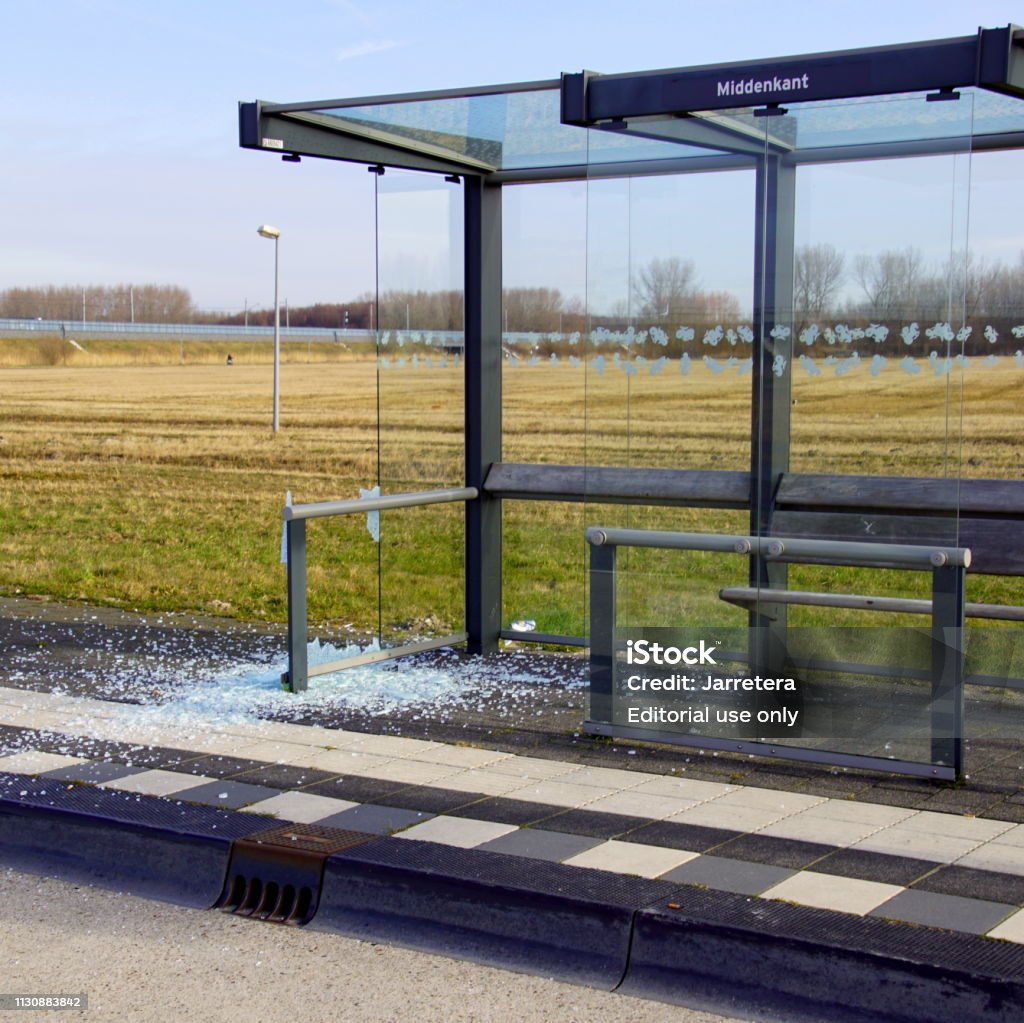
point(178, 331)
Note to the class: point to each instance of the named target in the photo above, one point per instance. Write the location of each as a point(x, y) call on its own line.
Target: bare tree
point(664, 289)
point(891, 282)
point(818, 274)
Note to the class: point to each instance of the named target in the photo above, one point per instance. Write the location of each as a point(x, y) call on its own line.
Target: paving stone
point(829, 891)
point(973, 916)
point(300, 807)
point(457, 831)
point(1011, 929)
point(872, 866)
point(901, 841)
point(777, 852)
point(1006, 811)
point(93, 772)
point(429, 799)
point(988, 885)
point(283, 776)
point(216, 765)
point(727, 875)
point(631, 858)
point(506, 811)
point(593, 824)
point(355, 789)
point(537, 844)
point(561, 793)
point(156, 757)
point(230, 795)
point(36, 762)
point(995, 856)
point(679, 836)
point(155, 783)
point(375, 820)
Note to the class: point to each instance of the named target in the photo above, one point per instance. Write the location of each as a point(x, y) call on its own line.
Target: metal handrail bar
point(846, 552)
point(296, 679)
point(361, 505)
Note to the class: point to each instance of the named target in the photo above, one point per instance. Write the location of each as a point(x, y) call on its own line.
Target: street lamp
point(266, 231)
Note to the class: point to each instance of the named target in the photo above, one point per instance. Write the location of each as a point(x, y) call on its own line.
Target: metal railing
point(296, 679)
point(948, 566)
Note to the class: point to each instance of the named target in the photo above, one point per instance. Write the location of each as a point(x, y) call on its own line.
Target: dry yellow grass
point(161, 486)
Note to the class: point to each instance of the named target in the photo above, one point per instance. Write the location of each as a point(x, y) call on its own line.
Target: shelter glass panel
point(419, 336)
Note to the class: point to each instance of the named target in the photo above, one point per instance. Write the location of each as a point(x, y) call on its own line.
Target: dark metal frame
point(947, 565)
point(648, 103)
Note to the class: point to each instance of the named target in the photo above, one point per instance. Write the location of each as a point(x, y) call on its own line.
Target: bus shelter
point(783, 383)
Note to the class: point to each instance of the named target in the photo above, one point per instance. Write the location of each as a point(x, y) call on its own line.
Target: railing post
point(602, 632)
point(297, 677)
point(948, 589)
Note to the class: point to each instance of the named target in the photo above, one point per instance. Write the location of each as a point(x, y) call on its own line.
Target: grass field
point(160, 486)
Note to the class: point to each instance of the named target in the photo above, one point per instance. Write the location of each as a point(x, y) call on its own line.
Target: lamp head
point(267, 231)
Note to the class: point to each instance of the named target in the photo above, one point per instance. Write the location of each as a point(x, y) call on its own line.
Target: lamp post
point(266, 231)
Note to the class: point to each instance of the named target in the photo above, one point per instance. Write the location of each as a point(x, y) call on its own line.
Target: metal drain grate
point(276, 875)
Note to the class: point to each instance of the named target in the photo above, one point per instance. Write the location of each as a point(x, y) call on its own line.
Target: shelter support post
point(602, 631)
point(770, 405)
point(948, 594)
point(298, 670)
point(483, 410)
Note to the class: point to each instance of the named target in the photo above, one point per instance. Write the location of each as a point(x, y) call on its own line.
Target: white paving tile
point(391, 746)
point(457, 831)
point(827, 891)
point(606, 778)
point(276, 752)
point(692, 789)
point(638, 804)
point(1011, 929)
point(302, 807)
point(462, 756)
point(534, 768)
point(1015, 836)
point(955, 825)
point(632, 858)
point(157, 783)
point(735, 818)
point(557, 792)
point(412, 772)
point(1008, 859)
point(874, 815)
point(36, 762)
point(901, 841)
point(346, 761)
point(36, 717)
point(819, 829)
point(772, 800)
point(488, 783)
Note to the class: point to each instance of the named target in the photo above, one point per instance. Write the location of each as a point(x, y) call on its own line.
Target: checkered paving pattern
point(956, 872)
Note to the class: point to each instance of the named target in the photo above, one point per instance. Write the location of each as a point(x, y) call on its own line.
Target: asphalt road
point(141, 961)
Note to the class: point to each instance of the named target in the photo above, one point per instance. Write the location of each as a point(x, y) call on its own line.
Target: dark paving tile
point(775, 852)
point(284, 776)
point(537, 844)
point(987, 885)
point(228, 795)
point(727, 875)
point(592, 824)
point(157, 758)
point(79, 746)
point(217, 766)
point(375, 820)
point(673, 835)
point(93, 772)
point(974, 916)
point(429, 799)
point(960, 801)
point(506, 811)
point(1006, 811)
point(872, 866)
point(355, 788)
point(13, 738)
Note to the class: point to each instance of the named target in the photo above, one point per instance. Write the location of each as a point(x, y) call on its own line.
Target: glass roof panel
point(503, 131)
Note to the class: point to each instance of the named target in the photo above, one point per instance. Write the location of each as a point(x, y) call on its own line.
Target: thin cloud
point(367, 47)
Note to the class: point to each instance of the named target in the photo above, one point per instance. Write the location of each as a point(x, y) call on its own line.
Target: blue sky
point(120, 117)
